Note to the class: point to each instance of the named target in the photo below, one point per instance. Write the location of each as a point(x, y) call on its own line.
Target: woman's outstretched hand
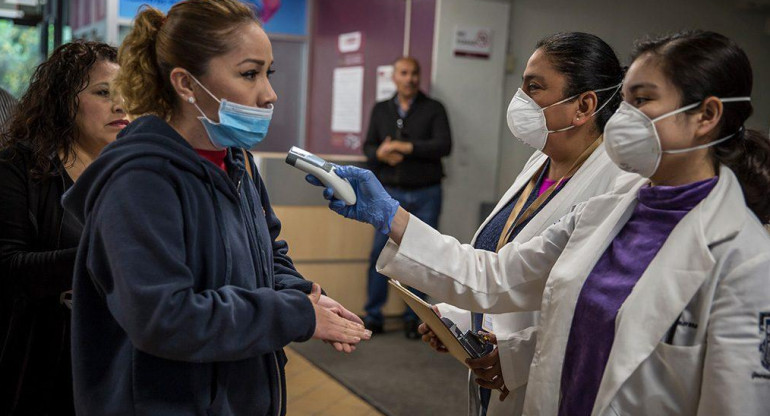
point(373, 204)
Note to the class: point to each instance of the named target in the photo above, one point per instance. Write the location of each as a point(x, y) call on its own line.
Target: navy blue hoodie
point(183, 298)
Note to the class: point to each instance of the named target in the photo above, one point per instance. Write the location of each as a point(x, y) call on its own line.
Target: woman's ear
point(709, 117)
point(182, 84)
point(586, 106)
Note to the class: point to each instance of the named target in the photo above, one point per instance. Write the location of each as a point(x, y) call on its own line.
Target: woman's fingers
point(488, 374)
point(491, 338)
point(430, 337)
point(503, 392)
point(313, 180)
point(343, 330)
point(488, 361)
point(350, 316)
point(492, 385)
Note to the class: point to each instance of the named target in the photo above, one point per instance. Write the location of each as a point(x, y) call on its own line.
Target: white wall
point(472, 91)
point(619, 23)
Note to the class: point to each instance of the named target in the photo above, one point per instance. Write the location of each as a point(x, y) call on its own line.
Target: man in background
point(408, 135)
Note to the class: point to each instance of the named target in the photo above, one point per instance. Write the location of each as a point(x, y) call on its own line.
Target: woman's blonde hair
point(189, 36)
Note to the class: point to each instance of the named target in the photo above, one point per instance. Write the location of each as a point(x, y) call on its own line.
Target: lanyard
point(514, 220)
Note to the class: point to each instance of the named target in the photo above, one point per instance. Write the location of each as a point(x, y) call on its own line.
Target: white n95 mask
point(526, 118)
point(632, 141)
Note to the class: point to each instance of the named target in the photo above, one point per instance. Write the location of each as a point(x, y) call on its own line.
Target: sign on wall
point(472, 42)
point(349, 42)
point(347, 93)
point(385, 88)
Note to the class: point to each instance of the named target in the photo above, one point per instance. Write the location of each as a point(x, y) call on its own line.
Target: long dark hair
point(706, 64)
point(44, 120)
point(589, 64)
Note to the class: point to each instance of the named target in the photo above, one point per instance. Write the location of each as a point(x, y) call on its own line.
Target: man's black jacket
point(426, 126)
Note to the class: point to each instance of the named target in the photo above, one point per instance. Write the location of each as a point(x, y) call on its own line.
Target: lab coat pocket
point(666, 383)
point(516, 354)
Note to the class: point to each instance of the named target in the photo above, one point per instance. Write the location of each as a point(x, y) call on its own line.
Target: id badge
point(486, 324)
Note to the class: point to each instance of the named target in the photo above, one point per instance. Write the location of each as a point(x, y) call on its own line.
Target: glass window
point(20, 51)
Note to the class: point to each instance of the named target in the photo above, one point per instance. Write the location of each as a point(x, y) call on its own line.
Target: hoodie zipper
point(279, 387)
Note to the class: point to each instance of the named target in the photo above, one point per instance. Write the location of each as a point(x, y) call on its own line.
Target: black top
point(426, 126)
point(38, 242)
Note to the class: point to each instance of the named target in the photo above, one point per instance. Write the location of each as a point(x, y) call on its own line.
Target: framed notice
point(472, 42)
point(347, 99)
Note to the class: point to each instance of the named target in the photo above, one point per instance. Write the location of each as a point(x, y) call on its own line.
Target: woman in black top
point(63, 121)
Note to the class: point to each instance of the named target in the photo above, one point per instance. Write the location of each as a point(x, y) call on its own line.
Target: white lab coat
point(515, 331)
point(710, 281)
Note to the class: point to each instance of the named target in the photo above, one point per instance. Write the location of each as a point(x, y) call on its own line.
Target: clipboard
point(426, 313)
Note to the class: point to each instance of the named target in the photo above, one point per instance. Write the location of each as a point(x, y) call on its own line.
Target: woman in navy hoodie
point(183, 298)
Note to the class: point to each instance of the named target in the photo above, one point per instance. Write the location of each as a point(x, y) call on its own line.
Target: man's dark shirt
point(426, 126)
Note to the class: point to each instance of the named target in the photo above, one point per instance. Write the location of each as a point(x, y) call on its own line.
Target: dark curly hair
point(44, 120)
point(703, 64)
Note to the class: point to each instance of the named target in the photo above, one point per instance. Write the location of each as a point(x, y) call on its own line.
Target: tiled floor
point(312, 392)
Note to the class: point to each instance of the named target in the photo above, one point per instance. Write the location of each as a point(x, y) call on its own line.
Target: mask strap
point(715, 142)
point(702, 146)
point(616, 87)
point(677, 111)
point(204, 114)
point(734, 99)
point(208, 92)
point(560, 102)
point(693, 105)
point(204, 88)
point(560, 130)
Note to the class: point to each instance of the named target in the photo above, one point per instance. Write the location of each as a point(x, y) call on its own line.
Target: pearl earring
point(191, 100)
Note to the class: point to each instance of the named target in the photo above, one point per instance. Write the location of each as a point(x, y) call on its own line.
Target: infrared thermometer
point(322, 170)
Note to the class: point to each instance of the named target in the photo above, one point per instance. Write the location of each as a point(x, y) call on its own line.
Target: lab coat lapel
point(545, 215)
point(669, 283)
point(575, 185)
point(535, 162)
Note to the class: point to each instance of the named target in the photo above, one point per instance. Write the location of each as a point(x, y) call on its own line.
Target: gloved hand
point(373, 204)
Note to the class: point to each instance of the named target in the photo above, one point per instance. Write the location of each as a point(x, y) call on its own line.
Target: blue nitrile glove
point(373, 204)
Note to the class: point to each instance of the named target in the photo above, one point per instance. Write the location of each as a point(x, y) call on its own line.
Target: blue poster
point(286, 17)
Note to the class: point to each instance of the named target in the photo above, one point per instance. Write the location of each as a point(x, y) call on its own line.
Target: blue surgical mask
point(239, 125)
